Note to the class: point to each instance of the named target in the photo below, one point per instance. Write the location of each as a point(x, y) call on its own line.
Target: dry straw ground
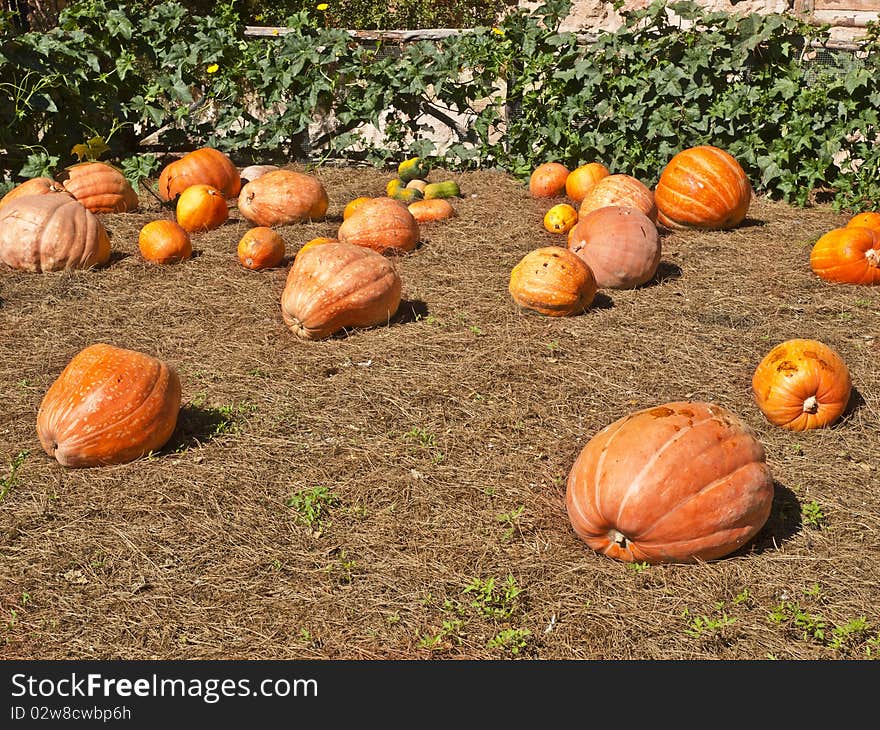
point(438, 447)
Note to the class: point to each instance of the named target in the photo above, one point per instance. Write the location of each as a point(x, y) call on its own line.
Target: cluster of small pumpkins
point(687, 480)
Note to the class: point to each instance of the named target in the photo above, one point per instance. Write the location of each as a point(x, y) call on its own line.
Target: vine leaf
point(91, 149)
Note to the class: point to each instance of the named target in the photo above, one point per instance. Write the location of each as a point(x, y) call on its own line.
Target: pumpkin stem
point(811, 405)
point(873, 256)
point(619, 538)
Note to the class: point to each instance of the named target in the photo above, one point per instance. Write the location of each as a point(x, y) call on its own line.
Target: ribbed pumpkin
point(204, 166)
point(869, 219)
point(51, 232)
point(201, 208)
point(382, 224)
point(561, 218)
point(283, 197)
point(553, 281)
point(620, 245)
point(677, 483)
point(260, 248)
point(336, 286)
point(109, 405)
point(548, 180)
point(164, 242)
point(582, 179)
point(621, 190)
point(802, 384)
point(848, 255)
point(100, 187)
point(428, 211)
point(34, 186)
point(702, 187)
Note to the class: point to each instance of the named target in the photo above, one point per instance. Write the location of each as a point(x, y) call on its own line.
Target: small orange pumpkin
point(679, 483)
point(434, 209)
point(108, 406)
point(382, 224)
point(553, 281)
point(620, 245)
point(582, 179)
point(869, 219)
point(164, 242)
point(201, 208)
point(282, 197)
point(318, 241)
point(548, 180)
point(204, 166)
point(561, 218)
point(702, 187)
point(100, 187)
point(353, 205)
point(260, 248)
point(334, 286)
point(622, 190)
point(802, 384)
point(848, 255)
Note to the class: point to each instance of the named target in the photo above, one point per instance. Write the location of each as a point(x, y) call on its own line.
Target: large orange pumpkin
point(848, 255)
point(681, 482)
point(164, 242)
point(802, 384)
point(582, 179)
point(201, 208)
point(108, 406)
point(553, 281)
point(548, 180)
point(382, 224)
point(621, 190)
point(204, 166)
point(334, 286)
point(620, 245)
point(100, 187)
point(260, 248)
point(282, 197)
point(702, 187)
point(51, 232)
point(34, 186)
point(869, 219)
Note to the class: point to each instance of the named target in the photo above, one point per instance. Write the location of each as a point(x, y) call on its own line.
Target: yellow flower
point(323, 6)
point(213, 68)
point(498, 31)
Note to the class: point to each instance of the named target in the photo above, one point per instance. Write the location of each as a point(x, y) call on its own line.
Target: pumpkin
point(382, 224)
point(802, 384)
point(109, 405)
point(442, 189)
point(204, 166)
point(869, 219)
point(548, 180)
point(848, 255)
point(413, 168)
point(435, 209)
point(561, 218)
point(164, 242)
point(702, 187)
point(252, 172)
point(621, 190)
point(553, 281)
point(318, 241)
point(100, 187)
point(260, 248)
point(335, 286)
point(418, 184)
point(201, 208)
point(34, 186)
point(51, 232)
point(620, 245)
point(678, 483)
point(582, 179)
point(283, 197)
point(353, 205)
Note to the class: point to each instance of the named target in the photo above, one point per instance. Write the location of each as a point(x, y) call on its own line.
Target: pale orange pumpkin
point(252, 172)
point(869, 219)
point(621, 190)
point(201, 208)
point(382, 224)
point(100, 187)
point(620, 245)
point(802, 384)
point(34, 186)
point(317, 241)
point(164, 242)
point(553, 281)
point(548, 180)
point(682, 482)
point(848, 255)
point(336, 286)
point(109, 405)
point(561, 218)
point(51, 232)
point(702, 187)
point(434, 209)
point(582, 179)
point(260, 248)
point(353, 205)
point(283, 197)
point(204, 166)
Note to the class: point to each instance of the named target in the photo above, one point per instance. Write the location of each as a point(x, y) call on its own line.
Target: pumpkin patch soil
point(442, 443)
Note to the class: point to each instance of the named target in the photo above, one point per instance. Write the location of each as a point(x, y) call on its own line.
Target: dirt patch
point(430, 454)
